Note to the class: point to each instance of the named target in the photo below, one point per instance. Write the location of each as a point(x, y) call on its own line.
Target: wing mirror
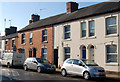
point(81, 65)
point(35, 62)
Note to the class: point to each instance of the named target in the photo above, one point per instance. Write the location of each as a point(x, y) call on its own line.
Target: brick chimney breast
point(35, 18)
point(71, 7)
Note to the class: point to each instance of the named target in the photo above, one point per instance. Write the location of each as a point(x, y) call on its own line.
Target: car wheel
point(63, 72)
point(86, 75)
point(25, 68)
point(38, 69)
point(8, 65)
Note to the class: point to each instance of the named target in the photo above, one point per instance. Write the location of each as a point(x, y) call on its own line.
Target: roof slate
point(101, 8)
point(10, 36)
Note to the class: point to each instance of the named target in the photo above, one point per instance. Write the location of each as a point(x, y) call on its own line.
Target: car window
point(69, 61)
point(77, 62)
point(42, 60)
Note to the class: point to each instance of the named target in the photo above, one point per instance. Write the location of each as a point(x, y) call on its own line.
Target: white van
point(13, 59)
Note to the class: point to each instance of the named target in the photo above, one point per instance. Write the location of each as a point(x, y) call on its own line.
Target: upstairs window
point(6, 42)
point(83, 27)
point(23, 38)
point(111, 26)
point(44, 35)
point(67, 32)
point(111, 53)
point(91, 28)
point(31, 36)
point(13, 42)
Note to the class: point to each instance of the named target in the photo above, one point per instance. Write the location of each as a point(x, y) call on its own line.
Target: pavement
point(112, 76)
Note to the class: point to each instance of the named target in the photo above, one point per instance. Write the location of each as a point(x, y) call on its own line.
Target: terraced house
point(89, 33)
point(9, 41)
point(36, 39)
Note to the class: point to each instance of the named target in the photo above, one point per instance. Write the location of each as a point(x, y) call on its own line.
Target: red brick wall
point(37, 42)
point(9, 45)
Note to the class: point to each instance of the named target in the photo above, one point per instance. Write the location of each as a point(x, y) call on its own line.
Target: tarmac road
point(18, 74)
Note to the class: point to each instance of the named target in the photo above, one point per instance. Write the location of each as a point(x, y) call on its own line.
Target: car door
point(78, 67)
point(34, 64)
point(68, 66)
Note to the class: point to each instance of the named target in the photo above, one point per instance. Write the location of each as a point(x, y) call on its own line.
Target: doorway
point(56, 57)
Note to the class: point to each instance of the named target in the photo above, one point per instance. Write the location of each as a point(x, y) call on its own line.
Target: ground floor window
point(111, 53)
point(22, 50)
point(44, 53)
point(67, 53)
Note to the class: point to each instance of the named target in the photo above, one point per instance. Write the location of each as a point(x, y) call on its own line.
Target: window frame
point(66, 54)
point(13, 42)
point(31, 38)
point(44, 53)
point(91, 28)
point(44, 35)
point(110, 54)
point(83, 30)
point(114, 25)
point(23, 39)
point(68, 32)
point(6, 41)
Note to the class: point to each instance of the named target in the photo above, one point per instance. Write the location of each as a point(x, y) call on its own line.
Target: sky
point(20, 12)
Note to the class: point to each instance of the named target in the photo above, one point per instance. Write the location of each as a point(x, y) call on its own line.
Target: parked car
point(86, 68)
point(13, 59)
point(39, 65)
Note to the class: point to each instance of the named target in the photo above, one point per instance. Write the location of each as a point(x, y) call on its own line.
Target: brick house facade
point(34, 48)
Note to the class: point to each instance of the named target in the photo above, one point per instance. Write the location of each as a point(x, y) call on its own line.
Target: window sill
point(31, 43)
point(83, 38)
point(24, 44)
point(68, 39)
point(111, 35)
point(45, 42)
point(91, 37)
point(111, 64)
point(6, 44)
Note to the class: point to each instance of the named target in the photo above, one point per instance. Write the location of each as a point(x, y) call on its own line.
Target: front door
point(56, 57)
point(84, 54)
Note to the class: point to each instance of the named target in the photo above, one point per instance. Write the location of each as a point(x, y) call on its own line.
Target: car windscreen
point(89, 63)
point(42, 60)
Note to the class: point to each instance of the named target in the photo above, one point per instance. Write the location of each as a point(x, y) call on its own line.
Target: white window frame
point(44, 36)
point(31, 37)
point(44, 53)
point(6, 41)
point(83, 30)
point(116, 25)
point(91, 28)
point(67, 32)
point(13, 43)
point(23, 39)
point(66, 54)
point(108, 54)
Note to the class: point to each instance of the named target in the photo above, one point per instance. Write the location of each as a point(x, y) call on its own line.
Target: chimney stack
point(10, 30)
point(34, 18)
point(71, 7)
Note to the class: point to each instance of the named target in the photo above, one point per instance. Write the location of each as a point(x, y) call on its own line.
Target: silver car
point(86, 68)
point(39, 65)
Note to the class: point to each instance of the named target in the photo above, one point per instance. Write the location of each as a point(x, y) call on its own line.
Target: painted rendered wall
point(98, 41)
